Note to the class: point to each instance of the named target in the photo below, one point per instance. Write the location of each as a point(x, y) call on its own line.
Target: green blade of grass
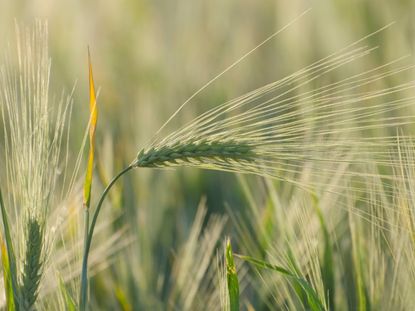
point(122, 299)
point(232, 278)
point(313, 300)
point(11, 260)
point(70, 304)
point(295, 270)
point(363, 302)
point(327, 269)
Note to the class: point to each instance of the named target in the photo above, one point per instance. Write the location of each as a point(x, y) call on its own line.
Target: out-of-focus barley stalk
point(32, 150)
point(38, 206)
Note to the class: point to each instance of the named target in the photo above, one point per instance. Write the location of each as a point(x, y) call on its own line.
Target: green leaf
point(327, 269)
point(10, 259)
point(363, 301)
point(122, 299)
point(70, 304)
point(313, 299)
point(232, 278)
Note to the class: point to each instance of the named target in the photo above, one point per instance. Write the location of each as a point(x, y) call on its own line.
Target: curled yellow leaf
point(92, 127)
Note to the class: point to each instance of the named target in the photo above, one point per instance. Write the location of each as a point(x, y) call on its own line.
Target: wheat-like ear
point(301, 121)
point(278, 129)
point(32, 269)
point(294, 131)
point(197, 152)
point(33, 135)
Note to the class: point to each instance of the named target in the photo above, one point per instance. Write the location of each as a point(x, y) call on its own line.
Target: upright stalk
point(84, 276)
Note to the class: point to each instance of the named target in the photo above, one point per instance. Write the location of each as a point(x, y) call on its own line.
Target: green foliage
point(70, 304)
point(232, 279)
point(327, 266)
point(312, 300)
point(8, 262)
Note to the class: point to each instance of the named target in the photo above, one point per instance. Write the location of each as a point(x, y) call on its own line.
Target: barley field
point(207, 155)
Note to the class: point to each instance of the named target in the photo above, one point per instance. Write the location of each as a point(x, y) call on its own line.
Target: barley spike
point(32, 269)
point(195, 151)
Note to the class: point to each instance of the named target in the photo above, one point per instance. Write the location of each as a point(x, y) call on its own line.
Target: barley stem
point(84, 276)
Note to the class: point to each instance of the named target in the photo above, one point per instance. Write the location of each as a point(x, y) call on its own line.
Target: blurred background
point(148, 58)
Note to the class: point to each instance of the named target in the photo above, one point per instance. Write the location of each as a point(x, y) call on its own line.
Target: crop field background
point(326, 225)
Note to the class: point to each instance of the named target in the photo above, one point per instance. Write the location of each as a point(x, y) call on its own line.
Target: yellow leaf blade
point(92, 127)
point(7, 277)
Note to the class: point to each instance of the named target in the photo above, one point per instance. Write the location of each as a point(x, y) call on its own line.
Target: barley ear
point(196, 152)
point(32, 270)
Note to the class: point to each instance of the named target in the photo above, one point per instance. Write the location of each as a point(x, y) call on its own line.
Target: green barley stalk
point(33, 138)
point(36, 213)
point(280, 128)
point(32, 155)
